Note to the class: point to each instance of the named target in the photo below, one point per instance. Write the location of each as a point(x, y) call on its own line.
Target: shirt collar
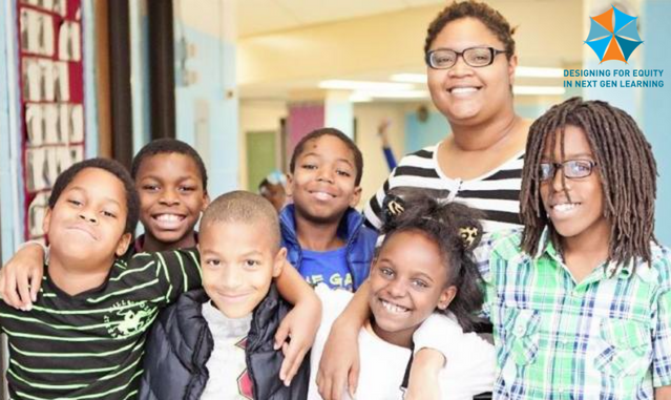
point(610, 269)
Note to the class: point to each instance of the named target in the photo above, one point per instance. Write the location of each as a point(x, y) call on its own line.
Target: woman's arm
point(339, 365)
point(300, 325)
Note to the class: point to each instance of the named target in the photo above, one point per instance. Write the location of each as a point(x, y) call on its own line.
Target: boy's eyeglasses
point(572, 169)
point(473, 56)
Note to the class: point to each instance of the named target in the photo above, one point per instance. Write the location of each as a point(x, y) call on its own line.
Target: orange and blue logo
point(613, 35)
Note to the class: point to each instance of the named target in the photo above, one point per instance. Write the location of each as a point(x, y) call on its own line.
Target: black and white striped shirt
point(495, 193)
point(90, 346)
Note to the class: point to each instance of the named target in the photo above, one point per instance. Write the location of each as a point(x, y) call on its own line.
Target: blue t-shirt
point(328, 267)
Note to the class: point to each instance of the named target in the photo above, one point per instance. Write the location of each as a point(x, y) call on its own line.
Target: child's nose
point(169, 197)
point(325, 175)
point(89, 217)
point(397, 288)
point(558, 182)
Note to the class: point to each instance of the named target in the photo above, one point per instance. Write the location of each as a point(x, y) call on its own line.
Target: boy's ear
point(289, 188)
point(46, 222)
point(123, 244)
point(280, 261)
point(356, 197)
point(448, 294)
point(206, 201)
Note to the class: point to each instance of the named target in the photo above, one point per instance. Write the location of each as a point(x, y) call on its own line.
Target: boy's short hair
point(114, 168)
point(316, 134)
point(245, 207)
point(168, 146)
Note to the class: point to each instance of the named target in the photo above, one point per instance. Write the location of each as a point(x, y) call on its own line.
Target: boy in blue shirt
point(323, 233)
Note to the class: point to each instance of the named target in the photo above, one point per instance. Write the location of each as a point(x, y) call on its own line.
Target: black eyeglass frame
point(557, 166)
point(494, 52)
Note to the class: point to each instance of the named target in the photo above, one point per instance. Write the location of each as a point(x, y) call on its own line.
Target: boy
point(323, 233)
point(85, 333)
point(171, 180)
point(218, 343)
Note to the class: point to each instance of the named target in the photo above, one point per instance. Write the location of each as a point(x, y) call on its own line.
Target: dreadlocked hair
point(627, 171)
point(442, 223)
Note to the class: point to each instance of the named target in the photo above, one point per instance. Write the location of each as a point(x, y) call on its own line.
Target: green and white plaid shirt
point(607, 337)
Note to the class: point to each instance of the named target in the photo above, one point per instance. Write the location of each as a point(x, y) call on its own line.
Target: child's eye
point(187, 188)
point(343, 173)
point(108, 214)
point(386, 272)
point(150, 188)
point(420, 284)
point(75, 202)
point(309, 166)
point(251, 263)
point(212, 262)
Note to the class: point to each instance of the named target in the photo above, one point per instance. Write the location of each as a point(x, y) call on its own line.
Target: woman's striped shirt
point(90, 346)
point(495, 193)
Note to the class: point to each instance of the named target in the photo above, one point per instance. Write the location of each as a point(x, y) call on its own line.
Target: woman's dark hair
point(484, 13)
point(114, 168)
point(627, 170)
point(449, 225)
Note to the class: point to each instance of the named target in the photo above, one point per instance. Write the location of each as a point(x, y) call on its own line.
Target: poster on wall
point(52, 87)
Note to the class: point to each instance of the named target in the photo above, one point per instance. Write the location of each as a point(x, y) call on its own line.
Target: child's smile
point(408, 282)
point(574, 204)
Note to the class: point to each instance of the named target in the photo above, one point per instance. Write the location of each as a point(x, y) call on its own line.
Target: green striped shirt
point(90, 346)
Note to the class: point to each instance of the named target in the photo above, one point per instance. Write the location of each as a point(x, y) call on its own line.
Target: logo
point(613, 35)
point(128, 318)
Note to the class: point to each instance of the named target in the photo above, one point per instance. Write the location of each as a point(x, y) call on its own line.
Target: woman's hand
point(21, 277)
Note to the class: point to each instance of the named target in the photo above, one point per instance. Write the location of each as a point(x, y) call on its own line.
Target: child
point(172, 183)
point(580, 298)
point(323, 233)
point(84, 336)
point(423, 267)
point(218, 343)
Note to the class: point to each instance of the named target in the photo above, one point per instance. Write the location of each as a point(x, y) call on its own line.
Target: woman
point(470, 56)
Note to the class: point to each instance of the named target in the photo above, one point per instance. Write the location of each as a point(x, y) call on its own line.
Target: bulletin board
point(52, 99)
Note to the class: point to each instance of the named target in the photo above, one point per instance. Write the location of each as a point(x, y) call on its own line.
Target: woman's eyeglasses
point(473, 56)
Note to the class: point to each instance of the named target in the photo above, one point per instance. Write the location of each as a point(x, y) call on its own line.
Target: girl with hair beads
point(423, 270)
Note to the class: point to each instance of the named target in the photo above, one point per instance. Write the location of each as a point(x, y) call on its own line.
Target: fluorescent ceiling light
point(409, 78)
point(364, 85)
point(539, 90)
point(360, 98)
point(539, 72)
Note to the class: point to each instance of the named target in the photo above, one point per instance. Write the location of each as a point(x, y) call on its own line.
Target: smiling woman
point(471, 61)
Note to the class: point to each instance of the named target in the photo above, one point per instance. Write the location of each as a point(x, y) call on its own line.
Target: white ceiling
point(262, 16)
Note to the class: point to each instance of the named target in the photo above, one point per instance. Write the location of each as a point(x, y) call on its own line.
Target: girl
point(423, 269)
point(579, 299)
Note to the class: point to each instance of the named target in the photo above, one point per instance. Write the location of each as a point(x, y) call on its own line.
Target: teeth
point(393, 308)
point(463, 90)
point(565, 207)
point(168, 218)
point(322, 195)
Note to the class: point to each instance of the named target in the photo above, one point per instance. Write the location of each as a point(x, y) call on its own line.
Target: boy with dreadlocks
point(580, 298)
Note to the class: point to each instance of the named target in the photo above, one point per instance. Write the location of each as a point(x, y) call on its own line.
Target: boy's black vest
point(181, 343)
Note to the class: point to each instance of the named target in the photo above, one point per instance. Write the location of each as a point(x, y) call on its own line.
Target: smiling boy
point(323, 233)
point(218, 343)
point(84, 336)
